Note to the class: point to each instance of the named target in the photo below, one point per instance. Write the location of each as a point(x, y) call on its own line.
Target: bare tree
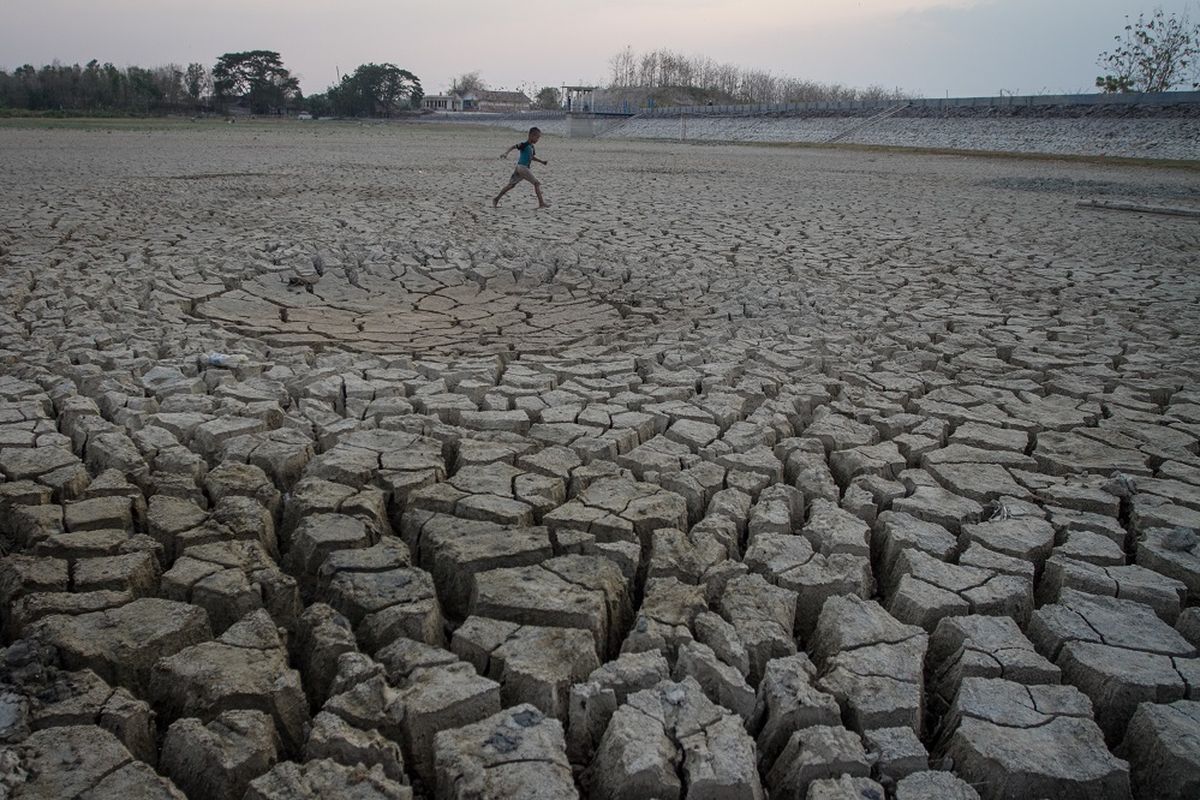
point(727, 79)
point(1152, 55)
point(468, 82)
point(648, 70)
point(659, 69)
point(623, 68)
point(875, 92)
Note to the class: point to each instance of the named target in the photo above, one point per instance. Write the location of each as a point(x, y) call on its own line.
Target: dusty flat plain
point(741, 472)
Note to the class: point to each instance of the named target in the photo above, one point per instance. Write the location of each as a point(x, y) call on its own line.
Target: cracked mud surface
point(741, 472)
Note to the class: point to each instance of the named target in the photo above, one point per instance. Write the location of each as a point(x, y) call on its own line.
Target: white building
point(442, 102)
point(496, 102)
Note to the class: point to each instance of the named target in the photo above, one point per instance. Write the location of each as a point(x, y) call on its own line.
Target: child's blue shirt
point(526, 154)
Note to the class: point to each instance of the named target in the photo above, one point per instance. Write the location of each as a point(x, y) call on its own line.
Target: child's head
point(535, 134)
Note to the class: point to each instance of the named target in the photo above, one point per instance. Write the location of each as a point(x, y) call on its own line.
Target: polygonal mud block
point(1128, 582)
point(872, 663)
point(517, 753)
point(898, 752)
point(230, 579)
point(219, 760)
point(619, 509)
point(832, 530)
point(534, 665)
point(435, 699)
point(816, 753)
point(664, 622)
point(594, 701)
point(1119, 653)
point(788, 701)
point(670, 724)
point(1011, 741)
point(381, 595)
point(721, 683)
point(100, 767)
point(322, 636)
point(843, 788)
point(929, 590)
point(333, 738)
point(246, 668)
point(1159, 746)
point(454, 550)
point(326, 778)
point(979, 646)
point(123, 644)
point(572, 591)
point(934, 786)
point(763, 616)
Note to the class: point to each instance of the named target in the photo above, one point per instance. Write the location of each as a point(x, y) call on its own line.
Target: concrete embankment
point(1084, 125)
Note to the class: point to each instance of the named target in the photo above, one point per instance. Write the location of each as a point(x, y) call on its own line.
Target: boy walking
point(523, 172)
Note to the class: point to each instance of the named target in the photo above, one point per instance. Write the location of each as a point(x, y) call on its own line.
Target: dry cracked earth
point(741, 473)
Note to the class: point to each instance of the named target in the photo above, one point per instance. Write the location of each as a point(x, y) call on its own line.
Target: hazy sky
point(928, 47)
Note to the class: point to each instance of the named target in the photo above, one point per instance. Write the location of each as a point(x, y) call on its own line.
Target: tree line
point(256, 80)
point(729, 83)
point(1155, 53)
point(104, 88)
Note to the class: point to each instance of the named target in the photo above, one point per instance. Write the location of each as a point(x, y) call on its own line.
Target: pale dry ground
point(720, 411)
point(639, 232)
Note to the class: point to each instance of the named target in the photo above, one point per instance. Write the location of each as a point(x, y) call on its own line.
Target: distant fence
point(934, 103)
point(532, 116)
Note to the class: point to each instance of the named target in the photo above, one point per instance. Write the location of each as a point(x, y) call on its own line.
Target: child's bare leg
point(504, 191)
point(537, 188)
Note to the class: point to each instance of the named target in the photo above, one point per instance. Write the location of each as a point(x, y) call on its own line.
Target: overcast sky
point(927, 47)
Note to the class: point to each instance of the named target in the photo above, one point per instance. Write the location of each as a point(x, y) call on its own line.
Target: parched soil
point(740, 472)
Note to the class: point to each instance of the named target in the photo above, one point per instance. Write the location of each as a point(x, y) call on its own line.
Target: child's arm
point(509, 150)
point(540, 161)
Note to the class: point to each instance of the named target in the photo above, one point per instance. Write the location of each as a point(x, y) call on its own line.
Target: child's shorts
point(522, 174)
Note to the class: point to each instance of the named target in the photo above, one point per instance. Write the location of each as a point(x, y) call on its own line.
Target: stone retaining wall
point(1169, 138)
point(1121, 131)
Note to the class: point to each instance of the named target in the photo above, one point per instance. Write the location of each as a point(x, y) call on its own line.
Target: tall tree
point(259, 76)
point(1152, 55)
point(197, 81)
point(624, 68)
point(375, 90)
point(549, 98)
point(318, 105)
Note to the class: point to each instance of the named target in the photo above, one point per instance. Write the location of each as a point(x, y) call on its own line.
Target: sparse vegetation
point(703, 80)
point(1153, 54)
point(467, 83)
point(548, 99)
